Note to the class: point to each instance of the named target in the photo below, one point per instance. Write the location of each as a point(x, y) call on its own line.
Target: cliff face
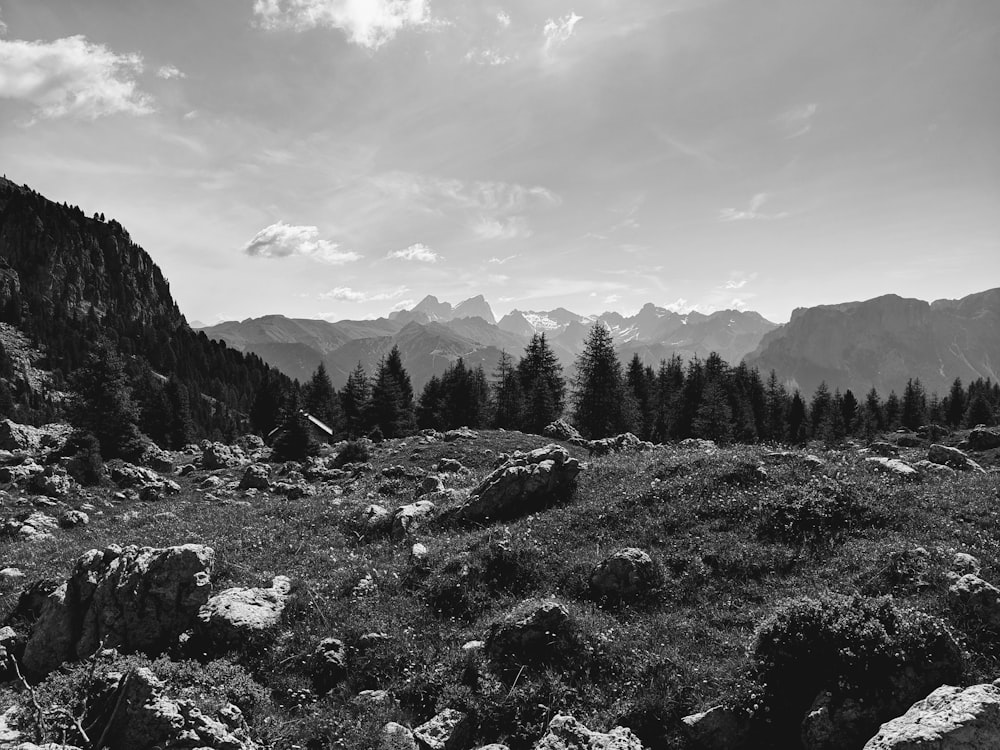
point(884, 341)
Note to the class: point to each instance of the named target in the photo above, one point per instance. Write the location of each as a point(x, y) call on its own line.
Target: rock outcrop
point(977, 598)
point(23, 437)
point(953, 457)
point(566, 733)
point(950, 718)
point(525, 483)
point(626, 575)
point(133, 599)
point(984, 439)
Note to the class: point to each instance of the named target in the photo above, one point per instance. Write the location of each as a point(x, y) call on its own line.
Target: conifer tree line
point(701, 398)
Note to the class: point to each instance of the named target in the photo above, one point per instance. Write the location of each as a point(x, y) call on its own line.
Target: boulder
point(448, 730)
point(127, 475)
point(562, 430)
point(973, 595)
point(950, 718)
point(718, 728)
point(20, 472)
point(250, 443)
point(22, 437)
point(328, 664)
point(375, 520)
point(430, 483)
point(410, 518)
point(133, 599)
point(221, 456)
point(31, 527)
point(953, 457)
point(243, 616)
point(536, 628)
point(450, 466)
point(623, 576)
point(882, 448)
point(983, 439)
point(892, 466)
point(256, 477)
point(931, 469)
point(907, 440)
point(8, 575)
point(53, 482)
point(396, 737)
point(70, 519)
point(461, 433)
point(156, 458)
point(626, 442)
point(146, 718)
point(963, 563)
point(526, 482)
point(566, 733)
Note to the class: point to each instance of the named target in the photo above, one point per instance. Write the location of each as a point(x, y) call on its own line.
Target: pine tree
point(955, 408)
point(390, 409)
point(294, 441)
point(978, 411)
point(891, 411)
point(872, 417)
point(103, 406)
point(321, 401)
point(797, 419)
point(542, 385)
point(850, 412)
point(602, 404)
point(508, 400)
point(669, 391)
point(914, 408)
point(713, 419)
point(269, 404)
point(642, 386)
point(776, 407)
point(818, 407)
point(354, 398)
point(181, 429)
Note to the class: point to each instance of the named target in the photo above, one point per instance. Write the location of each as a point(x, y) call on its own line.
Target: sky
point(343, 158)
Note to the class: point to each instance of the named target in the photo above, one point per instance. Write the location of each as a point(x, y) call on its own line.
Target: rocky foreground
point(455, 589)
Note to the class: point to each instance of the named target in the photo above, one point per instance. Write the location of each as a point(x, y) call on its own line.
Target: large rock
point(243, 616)
point(626, 442)
point(31, 527)
point(221, 456)
point(328, 664)
point(892, 466)
point(931, 469)
point(562, 430)
point(627, 574)
point(20, 472)
point(146, 718)
point(133, 599)
point(525, 483)
point(14, 436)
point(396, 737)
point(256, 477)
point(448, 730)
point(54, 482)
point(953, 457)
point(411, 518)
point(983, 439)
point(950, 718)
point(973, 595)
point(566, 733)
point(127, 475)
point(536, 628)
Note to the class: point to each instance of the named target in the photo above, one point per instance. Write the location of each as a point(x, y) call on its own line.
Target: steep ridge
point(884, 341)
point(68, 280)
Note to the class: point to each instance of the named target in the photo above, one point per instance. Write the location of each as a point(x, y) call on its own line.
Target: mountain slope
point(67, 281)
point(883, 341)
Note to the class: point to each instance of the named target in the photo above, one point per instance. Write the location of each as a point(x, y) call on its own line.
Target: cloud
point(558, 32)
point(403, 304)
point(368, 23)
point(283, 240)
point(166, 72)
point(71, 78)
point(484, 197)
point(612, 298)
point(346, 294)
point(487, 56)
point(797, 121)
point(753, 212)
point(501, 261)
point(735, 284)
point(502, 229)
point(503, 18)
point(3, 27)
point(419, 252)
point(497, 278)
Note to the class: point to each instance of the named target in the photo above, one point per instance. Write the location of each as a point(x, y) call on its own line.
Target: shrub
point(355, 452)
point(85, 464)
point(864, 648)
point(817, 514)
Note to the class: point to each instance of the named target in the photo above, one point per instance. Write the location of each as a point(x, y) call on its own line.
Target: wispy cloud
point(71, 77)
point(346, 294)
point(506, 259)
point(418, 252)
point(487, 56)
point(612, 298)
point(797, 121)
point(167, 72)
point(753, 212)
point(3, 26)
point(557, 32)
point(283, 240)
point(503, 18)
point(368, 23)
point(502, 229)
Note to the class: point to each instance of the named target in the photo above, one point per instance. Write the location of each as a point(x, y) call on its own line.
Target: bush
point(355, 452)
point(818, 514)
point(863, 648)
point(85, 464)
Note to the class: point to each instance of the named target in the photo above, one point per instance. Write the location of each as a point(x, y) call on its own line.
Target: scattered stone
point(983, 439)
point(566, 733)
point(882, 448)
point(450, 466)
point(21, 471)
point(908, 441)
point(127, 475)
point(449, 730)
point(72, 518)
point(718, 728)
point(950, 718)
point(243, 616)
point(251, 443)
point(626, 442)
point(156, 458)
point(256, 477)
point(627, 574)
point(418, 554)
point(133, 599)
point(375, 520)
point(526, 482)
point(430, 483)
point(562, 430)
point(293, 491)
point(33, 527)
point(154, 492)
point(211, 482)
point(397, 737)
point(972, 594)
point(9, 575)
point(221, 456)
point(328, 664)
point(892, 466)
point(462, 432)
point(953, 457)
point(708, 446)
point(410, 518)
point(53, 482)
point(962, 563)
point(931, 469)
